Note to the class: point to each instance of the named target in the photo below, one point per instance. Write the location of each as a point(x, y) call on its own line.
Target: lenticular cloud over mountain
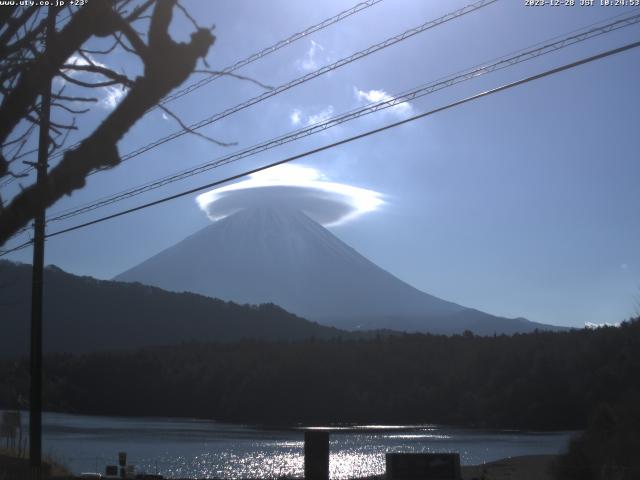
point(304, 188)
point(267, 244)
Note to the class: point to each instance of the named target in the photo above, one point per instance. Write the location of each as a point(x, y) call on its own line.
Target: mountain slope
point(83, 314)
point(262, 255)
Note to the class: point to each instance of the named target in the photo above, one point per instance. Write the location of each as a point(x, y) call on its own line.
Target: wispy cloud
point(109, 97)
point(375, 96)
point(80, 61)
point(309, 62)
point(321, 116)
point(298, 117)
point(112, 96)
point(295, 117)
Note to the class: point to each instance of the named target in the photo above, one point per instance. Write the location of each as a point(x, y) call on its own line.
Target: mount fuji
point(267, 255)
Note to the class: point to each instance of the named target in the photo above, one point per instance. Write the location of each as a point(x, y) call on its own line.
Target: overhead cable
point(368, 133)
point(519, 57)
point(237, 65)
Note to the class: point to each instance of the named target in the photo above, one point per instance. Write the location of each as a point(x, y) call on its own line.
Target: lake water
point(201, 448)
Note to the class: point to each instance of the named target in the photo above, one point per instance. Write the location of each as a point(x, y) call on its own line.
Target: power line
point(503, 62)
point(276, 46)
point(368, 133)
point(344, 61)
point(17, 248)
point(310, 76)
point(303, 79)
point(237, 65)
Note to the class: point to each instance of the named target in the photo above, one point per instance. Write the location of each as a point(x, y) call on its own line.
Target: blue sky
point(525, 203)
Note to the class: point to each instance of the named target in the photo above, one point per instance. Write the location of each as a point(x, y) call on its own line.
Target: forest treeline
point(542, 380)
point(607, 448)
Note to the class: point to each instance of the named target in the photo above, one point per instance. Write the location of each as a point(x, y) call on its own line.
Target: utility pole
point(35, 401)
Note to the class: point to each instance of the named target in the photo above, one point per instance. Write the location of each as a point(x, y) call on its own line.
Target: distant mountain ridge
point(82, 314)
point(265, 254)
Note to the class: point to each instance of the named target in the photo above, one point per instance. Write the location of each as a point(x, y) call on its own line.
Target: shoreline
point(346, 427)
point(524, 467)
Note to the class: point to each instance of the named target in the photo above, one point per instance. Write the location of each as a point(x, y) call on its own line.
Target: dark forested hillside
point(537, 381)
point(83, 314)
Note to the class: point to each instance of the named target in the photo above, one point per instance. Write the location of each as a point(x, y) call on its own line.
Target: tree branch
point(138, 11)
point(74, 99)
point(80, 83)
point(114, 76)
point(215, 73)
point(186, 128)
point(69, 109)
point(89, 20)
point(139, 47)
point(22, 42)
point(167, 65)
point(14, 24)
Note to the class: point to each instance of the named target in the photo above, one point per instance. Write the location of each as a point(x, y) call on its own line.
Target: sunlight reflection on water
point(233, 465)
point(198, 448)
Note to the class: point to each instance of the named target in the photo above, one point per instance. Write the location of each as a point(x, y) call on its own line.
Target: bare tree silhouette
point(27, 64)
